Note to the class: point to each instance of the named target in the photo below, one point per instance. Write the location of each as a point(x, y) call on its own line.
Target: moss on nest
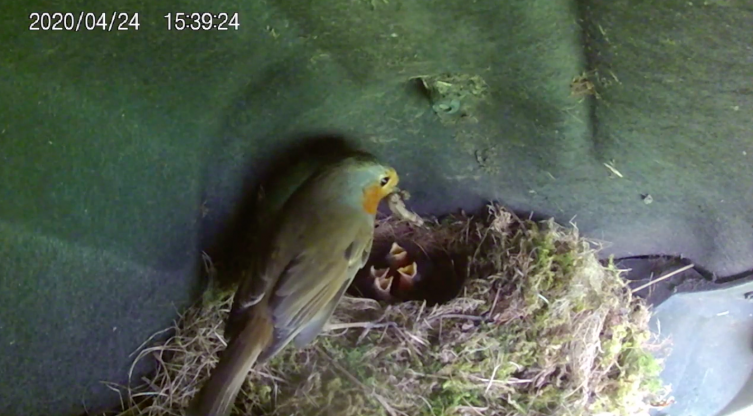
point(540, 327)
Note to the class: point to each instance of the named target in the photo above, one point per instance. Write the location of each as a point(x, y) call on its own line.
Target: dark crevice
point(705, 273)
point(647, 269)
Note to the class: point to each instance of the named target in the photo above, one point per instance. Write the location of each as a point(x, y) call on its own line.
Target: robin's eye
point(385, 180)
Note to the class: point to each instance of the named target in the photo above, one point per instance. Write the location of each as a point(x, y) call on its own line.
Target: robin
point(321, 237)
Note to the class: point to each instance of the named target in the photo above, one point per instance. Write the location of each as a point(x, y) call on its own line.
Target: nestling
point(382, 283)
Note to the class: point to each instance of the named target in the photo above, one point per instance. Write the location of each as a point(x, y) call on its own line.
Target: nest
point(538, 326)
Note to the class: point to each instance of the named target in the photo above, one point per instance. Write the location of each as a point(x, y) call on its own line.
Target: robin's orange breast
point(371, 198)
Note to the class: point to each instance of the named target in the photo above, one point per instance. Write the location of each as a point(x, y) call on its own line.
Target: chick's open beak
point(397, 257)
point(407, 276)
point(382, 282)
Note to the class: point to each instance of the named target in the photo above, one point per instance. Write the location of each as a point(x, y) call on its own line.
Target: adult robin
point(321, 237)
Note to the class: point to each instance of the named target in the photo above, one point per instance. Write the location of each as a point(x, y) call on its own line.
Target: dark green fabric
point(123, 154)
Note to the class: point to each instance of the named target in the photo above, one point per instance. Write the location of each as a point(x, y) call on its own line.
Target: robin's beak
point(382, 283)
point(397, 257)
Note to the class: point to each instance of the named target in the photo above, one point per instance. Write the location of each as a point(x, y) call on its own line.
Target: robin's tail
point(217, 396)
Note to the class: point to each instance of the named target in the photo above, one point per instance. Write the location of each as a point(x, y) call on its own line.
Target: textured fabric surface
point(123, 154)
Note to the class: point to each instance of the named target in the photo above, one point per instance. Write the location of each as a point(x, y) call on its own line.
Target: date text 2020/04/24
point(84, 21)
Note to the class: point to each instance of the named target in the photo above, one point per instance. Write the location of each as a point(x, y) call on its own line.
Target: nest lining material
point(540, 327)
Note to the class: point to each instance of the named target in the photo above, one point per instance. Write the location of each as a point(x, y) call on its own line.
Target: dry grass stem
point(664, 277)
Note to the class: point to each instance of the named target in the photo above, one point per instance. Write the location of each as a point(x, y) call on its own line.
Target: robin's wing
point(309, 290)
point(275, 250)
point(315, 326)
point(271, 259)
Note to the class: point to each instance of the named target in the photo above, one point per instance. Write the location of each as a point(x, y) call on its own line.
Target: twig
point(456, 316)
point(268, 375)
point(475, 253)
point(494, 304)
point(474, 409)
point(491, 380)
point(208, 266)
point(385, 404)
point(666, 276)
point(143, 344)
point(613, 169)
point(114, 387)
point(350, 325)
point(501, 382)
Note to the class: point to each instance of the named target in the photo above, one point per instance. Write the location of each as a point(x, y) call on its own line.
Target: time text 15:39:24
point(202, 21)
